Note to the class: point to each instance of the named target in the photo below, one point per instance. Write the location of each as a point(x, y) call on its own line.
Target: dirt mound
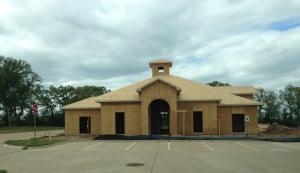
point(276, 129)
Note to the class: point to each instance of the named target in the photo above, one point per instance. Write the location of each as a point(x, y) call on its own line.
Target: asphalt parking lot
point(156, 156)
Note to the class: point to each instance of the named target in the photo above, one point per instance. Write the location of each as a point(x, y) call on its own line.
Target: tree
point(297, 93)
point(53, 98)
point(271, 107)
point(260, 96)
point(289, 98)
point(89, 91)
point(18, 87)
point(218, 84)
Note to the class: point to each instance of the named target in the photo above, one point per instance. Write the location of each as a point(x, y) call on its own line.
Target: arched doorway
point(159, 117)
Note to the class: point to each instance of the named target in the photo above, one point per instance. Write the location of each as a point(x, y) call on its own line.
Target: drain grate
point(135, 164)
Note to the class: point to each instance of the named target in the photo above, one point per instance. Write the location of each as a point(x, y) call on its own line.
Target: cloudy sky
point(110, 43)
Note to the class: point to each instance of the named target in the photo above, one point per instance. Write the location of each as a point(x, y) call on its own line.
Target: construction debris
point(277, 129)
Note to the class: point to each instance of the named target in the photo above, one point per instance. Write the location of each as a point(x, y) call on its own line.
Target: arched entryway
point(159, 117)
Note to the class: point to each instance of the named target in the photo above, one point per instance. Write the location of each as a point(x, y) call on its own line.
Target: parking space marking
point(285, 146)
point(169, 146)
point(130, 146)
point(92, 146)
point(248, 146)
point(207, 146)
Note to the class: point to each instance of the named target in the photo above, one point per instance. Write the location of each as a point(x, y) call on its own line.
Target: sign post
point(247, 119)
point(35, 111)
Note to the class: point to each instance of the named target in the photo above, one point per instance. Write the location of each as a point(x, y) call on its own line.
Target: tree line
point(21, 87)
point(282, 107)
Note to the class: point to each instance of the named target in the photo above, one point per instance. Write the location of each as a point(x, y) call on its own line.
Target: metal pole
point(34, 125)
point(183, 119)
point(246, 128)
point(219, 125)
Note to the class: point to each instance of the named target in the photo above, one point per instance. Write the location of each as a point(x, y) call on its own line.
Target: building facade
point(165, 105)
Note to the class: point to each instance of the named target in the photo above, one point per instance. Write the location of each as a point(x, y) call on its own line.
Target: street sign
point(35, 108)
point(247, 118)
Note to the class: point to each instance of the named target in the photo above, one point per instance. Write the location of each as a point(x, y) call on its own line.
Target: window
point(120, 122)
point(198, 122)
point(161, 69)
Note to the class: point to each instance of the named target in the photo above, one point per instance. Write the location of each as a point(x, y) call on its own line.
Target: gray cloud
point(110, 43)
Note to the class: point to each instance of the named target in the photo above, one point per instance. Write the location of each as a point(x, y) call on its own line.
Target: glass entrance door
point(164, 122)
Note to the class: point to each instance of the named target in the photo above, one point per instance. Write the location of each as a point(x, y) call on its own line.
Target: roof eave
point(197, 100)
point(81, 108)
point(254, 104)
point(116, 101)
point(139, 90)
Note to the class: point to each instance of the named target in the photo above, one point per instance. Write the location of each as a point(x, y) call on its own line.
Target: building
point(165, 105)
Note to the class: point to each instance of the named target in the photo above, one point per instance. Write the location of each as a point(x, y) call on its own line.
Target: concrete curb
point(158, 137)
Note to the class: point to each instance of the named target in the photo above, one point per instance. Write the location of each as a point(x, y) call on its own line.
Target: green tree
point(19, 85)
point(271, 107)
point(297, 92)
point(218, 84)
point(53, 98)
point(260, 96)
point(86, 91)
point(289, 98)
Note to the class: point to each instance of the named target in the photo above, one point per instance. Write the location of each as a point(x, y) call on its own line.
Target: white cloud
point(110, 42)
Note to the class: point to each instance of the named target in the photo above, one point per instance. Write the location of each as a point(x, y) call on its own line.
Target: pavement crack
point(155, 157)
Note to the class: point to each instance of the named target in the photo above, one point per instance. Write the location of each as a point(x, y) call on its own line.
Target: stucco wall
point(209, 117)
point(72, 120)
point(132, 117)
point(158, 90)
point(226, 118)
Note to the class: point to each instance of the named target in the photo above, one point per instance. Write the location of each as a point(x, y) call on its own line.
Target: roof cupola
point(160, 67)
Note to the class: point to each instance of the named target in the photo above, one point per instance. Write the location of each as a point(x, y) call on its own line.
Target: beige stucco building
point(165, 105)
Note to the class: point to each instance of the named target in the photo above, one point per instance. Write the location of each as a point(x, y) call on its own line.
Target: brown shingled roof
point(160, 61)
point(88, 103)
point(190, 91)
point(238, 89)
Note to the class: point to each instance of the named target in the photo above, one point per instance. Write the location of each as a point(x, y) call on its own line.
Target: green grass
point(3, 171)
point(16, 129)
point(33, 142)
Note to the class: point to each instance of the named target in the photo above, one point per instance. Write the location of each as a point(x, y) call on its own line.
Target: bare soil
point(277, 129)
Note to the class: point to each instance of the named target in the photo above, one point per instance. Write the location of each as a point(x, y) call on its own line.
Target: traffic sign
point(35, 109)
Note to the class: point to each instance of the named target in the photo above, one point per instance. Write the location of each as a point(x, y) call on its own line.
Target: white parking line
point(285, 146)
point(248, 146)
point(131, 145)
point(92, 146)
point(209, 147)
point(169, 146)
